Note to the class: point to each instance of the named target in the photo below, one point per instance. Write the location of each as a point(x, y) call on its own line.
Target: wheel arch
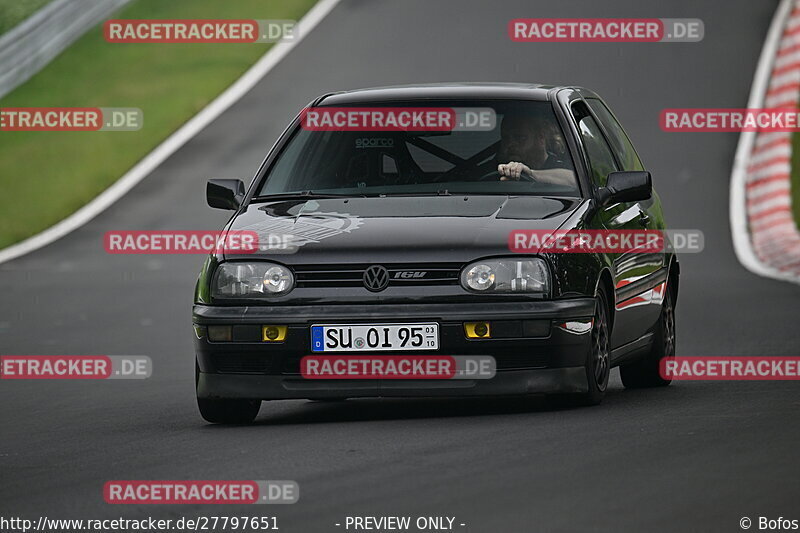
point(673, 279)
point(606, 282)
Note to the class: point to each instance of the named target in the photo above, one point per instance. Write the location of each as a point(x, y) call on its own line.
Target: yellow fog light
point(477, 330)
point(273, 333)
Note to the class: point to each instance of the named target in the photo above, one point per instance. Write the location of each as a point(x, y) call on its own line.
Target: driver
point(525, 142)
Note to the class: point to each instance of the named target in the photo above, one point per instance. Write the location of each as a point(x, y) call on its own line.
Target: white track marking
point(152, 160)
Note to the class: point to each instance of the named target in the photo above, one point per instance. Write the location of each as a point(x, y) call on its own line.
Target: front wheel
point(598, 361)
point(227, 411)
point(645, 372)
point(598, 366)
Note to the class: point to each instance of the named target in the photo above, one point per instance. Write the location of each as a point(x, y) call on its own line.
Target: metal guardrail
point(29, 46)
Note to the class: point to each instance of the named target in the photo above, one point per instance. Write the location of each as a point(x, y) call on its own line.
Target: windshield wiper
point(442, 192)
point(305, 195)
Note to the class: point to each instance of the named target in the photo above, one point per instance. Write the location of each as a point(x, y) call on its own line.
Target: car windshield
point(502, 147)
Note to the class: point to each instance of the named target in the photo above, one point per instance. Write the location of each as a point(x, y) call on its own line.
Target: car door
point(652, 218)
point(633, 271)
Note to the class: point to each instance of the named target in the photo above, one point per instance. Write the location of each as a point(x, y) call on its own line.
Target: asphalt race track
point(696, 456)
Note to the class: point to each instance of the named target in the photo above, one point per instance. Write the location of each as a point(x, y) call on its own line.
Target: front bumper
point(262, 370)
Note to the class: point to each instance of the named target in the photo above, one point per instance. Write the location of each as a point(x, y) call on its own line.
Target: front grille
point(400, 275)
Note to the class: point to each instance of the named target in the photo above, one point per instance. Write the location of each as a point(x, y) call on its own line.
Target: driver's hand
point(514, 171)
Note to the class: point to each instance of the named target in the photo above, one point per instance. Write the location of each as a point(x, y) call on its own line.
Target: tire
point(645, 372)
point(598, 362)
point(225, 411)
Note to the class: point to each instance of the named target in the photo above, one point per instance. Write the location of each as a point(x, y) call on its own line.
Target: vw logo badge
point(376, 278)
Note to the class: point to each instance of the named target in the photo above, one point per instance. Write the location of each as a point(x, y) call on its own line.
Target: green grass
point(45, 176)
point(12, 12)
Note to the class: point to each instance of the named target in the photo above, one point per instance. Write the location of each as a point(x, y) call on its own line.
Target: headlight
point(507, 275)
point(251, 280)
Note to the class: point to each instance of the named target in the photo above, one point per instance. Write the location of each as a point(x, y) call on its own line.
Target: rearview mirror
point(629, 186)
point(225, 193)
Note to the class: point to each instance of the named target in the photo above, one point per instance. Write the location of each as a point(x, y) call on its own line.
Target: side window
point(617, 137)
point(601, 159)
point(389, 167)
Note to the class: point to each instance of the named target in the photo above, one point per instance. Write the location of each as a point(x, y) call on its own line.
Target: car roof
point(434, 91)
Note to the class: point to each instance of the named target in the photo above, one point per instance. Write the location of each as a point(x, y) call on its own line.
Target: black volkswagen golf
point(396, 223)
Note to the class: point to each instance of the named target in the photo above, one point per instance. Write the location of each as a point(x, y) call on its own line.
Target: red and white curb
point(765, 235)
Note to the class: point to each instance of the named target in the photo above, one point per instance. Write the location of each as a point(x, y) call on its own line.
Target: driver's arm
point(514, 171)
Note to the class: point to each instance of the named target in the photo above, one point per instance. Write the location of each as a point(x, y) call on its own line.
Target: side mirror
point(629, 186)
point(225, 193)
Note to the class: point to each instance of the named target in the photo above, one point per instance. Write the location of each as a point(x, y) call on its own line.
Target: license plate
point(374, 337)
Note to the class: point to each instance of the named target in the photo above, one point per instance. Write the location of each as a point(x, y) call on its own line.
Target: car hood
point(395, 229)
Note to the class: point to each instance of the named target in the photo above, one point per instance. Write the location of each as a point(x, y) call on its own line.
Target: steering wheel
point(492, 175)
